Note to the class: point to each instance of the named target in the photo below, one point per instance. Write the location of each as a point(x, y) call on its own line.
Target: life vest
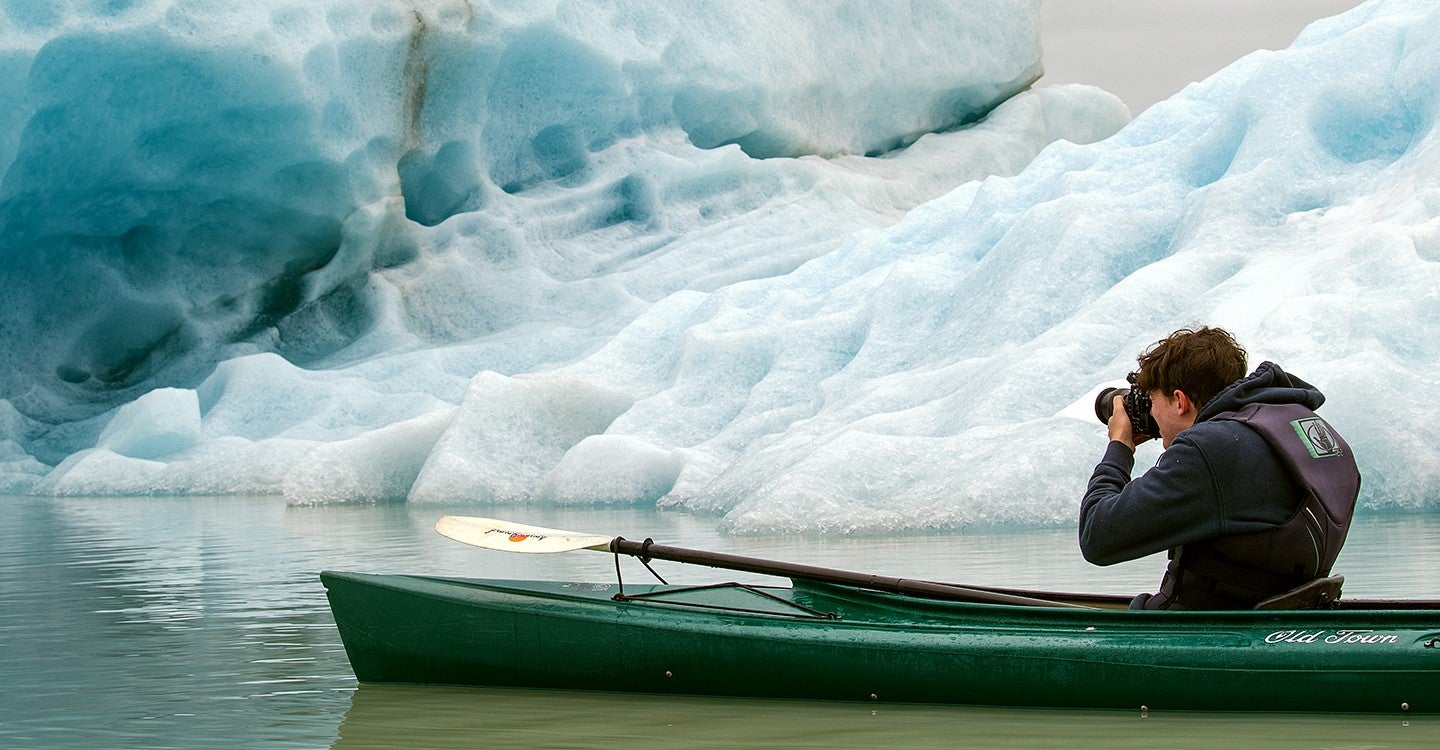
point(1238, 570)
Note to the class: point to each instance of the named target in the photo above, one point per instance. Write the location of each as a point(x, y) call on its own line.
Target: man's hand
point(1119, 424)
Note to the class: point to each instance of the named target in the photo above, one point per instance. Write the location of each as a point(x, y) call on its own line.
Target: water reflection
point(157, 622)
point(432, 717)
point(194, 622)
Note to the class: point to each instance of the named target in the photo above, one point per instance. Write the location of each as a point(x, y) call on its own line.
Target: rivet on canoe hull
point(668, 673)
point(1144, 712)
point(1405, 706)
point(874, 697)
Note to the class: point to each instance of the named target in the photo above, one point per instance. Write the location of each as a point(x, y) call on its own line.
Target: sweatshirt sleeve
point(1172, 504)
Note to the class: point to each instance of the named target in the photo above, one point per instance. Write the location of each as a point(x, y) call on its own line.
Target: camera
point(1137, 408)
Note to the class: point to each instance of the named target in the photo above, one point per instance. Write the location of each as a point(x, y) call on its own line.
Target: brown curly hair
point(1199, 362)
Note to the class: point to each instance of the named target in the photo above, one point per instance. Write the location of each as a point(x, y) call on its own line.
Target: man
point(1253, 494)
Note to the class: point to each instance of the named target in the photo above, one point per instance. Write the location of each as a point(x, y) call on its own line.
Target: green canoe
point(827, 641)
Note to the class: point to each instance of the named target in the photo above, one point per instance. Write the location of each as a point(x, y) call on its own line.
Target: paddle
point(507, 536)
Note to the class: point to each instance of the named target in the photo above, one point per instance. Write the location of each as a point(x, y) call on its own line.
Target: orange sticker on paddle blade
point(519, 537)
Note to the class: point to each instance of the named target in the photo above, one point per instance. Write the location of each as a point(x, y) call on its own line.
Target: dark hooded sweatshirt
point(1217, 478)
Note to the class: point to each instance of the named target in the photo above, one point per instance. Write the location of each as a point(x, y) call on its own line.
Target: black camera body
point(1137, 408)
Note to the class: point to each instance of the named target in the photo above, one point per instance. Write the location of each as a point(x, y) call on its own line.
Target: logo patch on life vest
point(1316, 436)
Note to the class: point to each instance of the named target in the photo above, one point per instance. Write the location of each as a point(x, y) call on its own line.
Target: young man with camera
point(1253, 494)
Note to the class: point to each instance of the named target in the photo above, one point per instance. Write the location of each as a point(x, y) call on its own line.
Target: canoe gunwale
point(1406, 610)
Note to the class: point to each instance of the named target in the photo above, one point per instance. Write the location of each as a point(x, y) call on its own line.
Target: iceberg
point(325, 219)
point(186, 182)
point(159, 423)
point(378, 466)
point(824, 327)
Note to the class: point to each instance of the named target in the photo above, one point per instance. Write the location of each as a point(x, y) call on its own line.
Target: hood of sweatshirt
point(1267, 385)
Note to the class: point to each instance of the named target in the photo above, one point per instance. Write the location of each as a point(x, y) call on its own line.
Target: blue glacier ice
point(326, 218)
point(806, 292)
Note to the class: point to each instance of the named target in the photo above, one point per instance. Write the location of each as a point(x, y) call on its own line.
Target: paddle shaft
point(647, 550)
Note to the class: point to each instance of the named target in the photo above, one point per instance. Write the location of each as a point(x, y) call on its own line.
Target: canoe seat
point(1320, 593)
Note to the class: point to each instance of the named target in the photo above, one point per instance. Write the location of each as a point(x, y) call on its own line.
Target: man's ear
point(1182, 401)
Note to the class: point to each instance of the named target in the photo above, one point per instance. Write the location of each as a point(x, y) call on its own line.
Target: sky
point(1146, 50)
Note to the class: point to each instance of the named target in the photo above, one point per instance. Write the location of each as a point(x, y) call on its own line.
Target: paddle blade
point(508, 536)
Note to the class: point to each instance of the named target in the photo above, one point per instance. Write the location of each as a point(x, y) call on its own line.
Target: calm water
point(162, 623)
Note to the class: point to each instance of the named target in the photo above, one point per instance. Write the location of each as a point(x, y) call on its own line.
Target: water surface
point(185, 622)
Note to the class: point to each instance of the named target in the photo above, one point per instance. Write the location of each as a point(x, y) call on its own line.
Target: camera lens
point(1105, 403)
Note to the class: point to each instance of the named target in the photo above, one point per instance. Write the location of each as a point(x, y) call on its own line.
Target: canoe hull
point(883, 647)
